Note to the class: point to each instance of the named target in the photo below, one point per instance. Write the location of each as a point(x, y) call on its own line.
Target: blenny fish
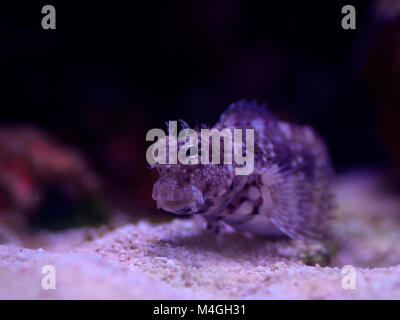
point(288, 192)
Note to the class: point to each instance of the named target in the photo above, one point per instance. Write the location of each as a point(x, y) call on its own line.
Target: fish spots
point(244, 209)
point(308, 165)
point(283, 154)
point(209, 202)
point(267, 199)
point(253, 193)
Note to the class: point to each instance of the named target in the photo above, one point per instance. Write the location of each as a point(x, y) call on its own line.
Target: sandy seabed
point(182, 260)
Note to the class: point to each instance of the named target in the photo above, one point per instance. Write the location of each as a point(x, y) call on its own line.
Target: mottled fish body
point(288, 191)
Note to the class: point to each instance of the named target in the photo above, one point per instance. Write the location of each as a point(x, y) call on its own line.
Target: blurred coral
point(31, 162)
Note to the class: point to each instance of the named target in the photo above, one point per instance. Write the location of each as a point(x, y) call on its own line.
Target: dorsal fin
point(244, 109)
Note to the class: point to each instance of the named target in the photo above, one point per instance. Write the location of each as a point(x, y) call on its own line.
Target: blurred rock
point(32, 162)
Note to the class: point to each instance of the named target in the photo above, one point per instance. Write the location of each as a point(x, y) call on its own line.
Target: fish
point(288, 193)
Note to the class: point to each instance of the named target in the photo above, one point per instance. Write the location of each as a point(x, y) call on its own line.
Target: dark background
point(113, 70)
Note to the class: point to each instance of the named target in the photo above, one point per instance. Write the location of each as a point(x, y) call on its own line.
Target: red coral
point(31, 160)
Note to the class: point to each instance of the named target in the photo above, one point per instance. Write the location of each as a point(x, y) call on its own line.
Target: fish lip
point(174, 200)
point(186, 210)
point(191, 207)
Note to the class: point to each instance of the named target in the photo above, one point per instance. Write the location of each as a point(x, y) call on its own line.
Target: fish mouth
point(178, 207)
point(185, 200)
